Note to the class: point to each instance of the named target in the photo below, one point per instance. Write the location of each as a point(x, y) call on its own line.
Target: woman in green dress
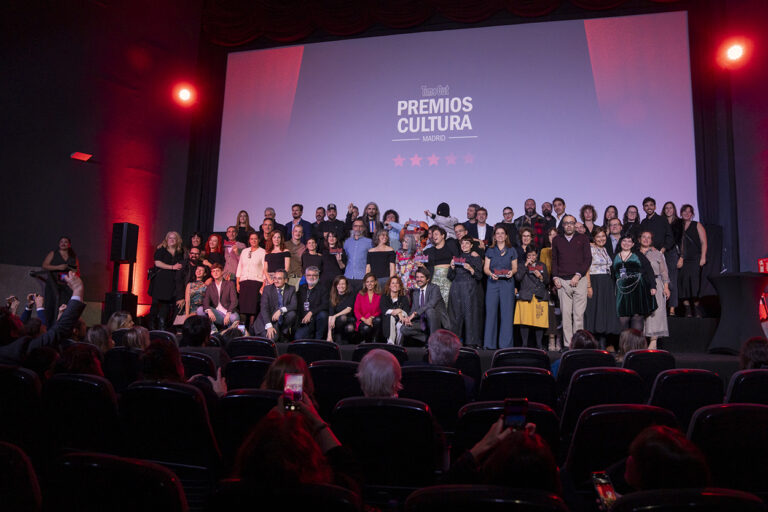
point(635, 285)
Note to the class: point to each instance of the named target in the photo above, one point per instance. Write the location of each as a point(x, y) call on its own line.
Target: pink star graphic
point(469, 158)
point(398, 161)
point(450, 159)
point(433, 159)
point(416, 160)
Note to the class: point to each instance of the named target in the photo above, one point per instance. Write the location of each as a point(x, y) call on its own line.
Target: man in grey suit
point(428, 312)
point(220, 301)
point(277, 317)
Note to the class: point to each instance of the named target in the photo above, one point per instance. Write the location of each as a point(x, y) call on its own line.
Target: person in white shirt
point(250, 279)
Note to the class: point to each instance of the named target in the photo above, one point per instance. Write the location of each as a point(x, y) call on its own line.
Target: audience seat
point(475, 419)
point(685, 500)
point(20, 408)
point(469, 363)
point(246, 371)
point(463, 498)
point(122, 366)
point(393, 439)
point(576, 359)
point(603, 435)
point(535, 384)
point(168, 423)
point(440, 387)
point(521, 356)
point(235, 495)
point(734, 439)
point(397, 350)
point(597, 386)
point(748, 387)
point(80, 413)
point(163, 335)
point(19, 488)
point(648, 364)
point(90, 482)
point(315, 350)
point(196, 363)
point(683, 391)
point(334, 380)
point(238, 412)
point(251, 346)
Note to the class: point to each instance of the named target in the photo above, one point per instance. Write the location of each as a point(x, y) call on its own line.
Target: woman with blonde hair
point(165, 281)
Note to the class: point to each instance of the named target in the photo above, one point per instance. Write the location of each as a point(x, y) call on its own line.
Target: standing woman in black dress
point(58, 262)
point(671, 256)
point(693, 256)
point(166, 287)
point(611, 212)
point(631, 224)
point(244, 228)
point(334, 260)
point(277, 258)
point(466, 312)
point(588, 216)
point(380, 260)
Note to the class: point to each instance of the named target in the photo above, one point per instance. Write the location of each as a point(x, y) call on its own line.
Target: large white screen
point(596, 111)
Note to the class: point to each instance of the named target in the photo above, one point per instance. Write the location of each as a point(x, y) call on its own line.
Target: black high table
point(739, 294)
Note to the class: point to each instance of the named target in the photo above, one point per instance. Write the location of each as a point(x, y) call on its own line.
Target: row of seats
point(80, 412)
point(94, 482)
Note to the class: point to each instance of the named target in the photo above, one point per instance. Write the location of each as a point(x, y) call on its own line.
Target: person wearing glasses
point(571, 259)
point(312, 303)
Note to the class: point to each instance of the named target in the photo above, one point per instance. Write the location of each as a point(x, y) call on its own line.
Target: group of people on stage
point(372, 277)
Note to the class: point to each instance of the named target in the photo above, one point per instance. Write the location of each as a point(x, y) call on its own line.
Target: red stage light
point(734, 52)
point(83, 157)
point(185, 94)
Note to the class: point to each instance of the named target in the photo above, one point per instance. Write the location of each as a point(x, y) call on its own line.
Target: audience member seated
point(512, 458)
point(341, 320)
point(443, 347)
point(581, 339)
point(312, 301)
point(427, 312)
point(368, 309)
point(220, 301)
point(195, 337)
point(663, 458)
point(277, 317)
point(136, 337)
point(14, 346)
point(161, 361)
point(42, 361)
point(754, 354)
point(291, 449)
point(79, 359)
point(119, 320)
point(98, 336)
point(289, 363)
point(379, 374)
point(630, 339)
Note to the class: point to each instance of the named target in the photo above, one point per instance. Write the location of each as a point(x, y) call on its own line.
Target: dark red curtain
point(237, 22)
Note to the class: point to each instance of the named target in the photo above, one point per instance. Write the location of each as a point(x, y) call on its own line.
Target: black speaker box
point(125, 239)
point(118, 301)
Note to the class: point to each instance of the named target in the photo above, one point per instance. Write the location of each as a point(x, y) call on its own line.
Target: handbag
point(152, 272)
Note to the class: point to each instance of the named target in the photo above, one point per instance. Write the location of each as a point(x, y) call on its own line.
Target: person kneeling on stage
point(427, 309)
point(277, 317)
point(313, 307)
point(220, 301)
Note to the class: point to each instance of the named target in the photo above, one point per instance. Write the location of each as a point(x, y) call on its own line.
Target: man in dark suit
point(613, 243)
point(296, 212)
point(220, 301)
point(14, 347)
point(428, 312)
point(277, 317)
point(312, 307)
